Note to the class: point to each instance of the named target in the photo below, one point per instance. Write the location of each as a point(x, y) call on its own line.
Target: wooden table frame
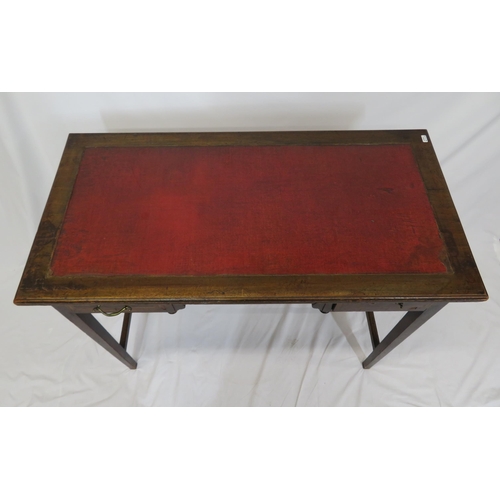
point(420, 295)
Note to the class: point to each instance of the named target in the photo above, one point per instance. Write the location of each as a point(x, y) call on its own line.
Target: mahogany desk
point(345, 221)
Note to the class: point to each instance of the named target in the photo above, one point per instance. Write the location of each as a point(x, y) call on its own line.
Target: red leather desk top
point(248, 210)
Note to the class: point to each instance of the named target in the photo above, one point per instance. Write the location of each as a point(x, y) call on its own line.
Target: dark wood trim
point(459, 254)
point(250, 289)
point(360, 306)
point(309, 137)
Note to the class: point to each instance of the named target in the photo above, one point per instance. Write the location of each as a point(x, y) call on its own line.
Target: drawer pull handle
point(122, 310)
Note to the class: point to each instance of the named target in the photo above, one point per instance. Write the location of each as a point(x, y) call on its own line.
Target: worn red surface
point(249, 210)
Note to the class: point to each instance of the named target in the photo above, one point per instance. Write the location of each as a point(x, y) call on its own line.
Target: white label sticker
point(424, 138)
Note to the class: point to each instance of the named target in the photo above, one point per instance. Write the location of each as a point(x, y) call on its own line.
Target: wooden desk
point(345, 221)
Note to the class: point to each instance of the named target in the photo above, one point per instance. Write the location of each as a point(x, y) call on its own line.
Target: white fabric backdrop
point(249, 355)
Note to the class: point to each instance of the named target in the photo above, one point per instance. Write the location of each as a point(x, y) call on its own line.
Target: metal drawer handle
point(122, 310)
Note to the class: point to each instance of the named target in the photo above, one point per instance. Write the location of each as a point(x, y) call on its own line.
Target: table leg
point(408, 324)
point(372, 326)
point(125, 329)
point(88, 324)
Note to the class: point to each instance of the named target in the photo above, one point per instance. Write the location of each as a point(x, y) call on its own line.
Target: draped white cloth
point(273, 355)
